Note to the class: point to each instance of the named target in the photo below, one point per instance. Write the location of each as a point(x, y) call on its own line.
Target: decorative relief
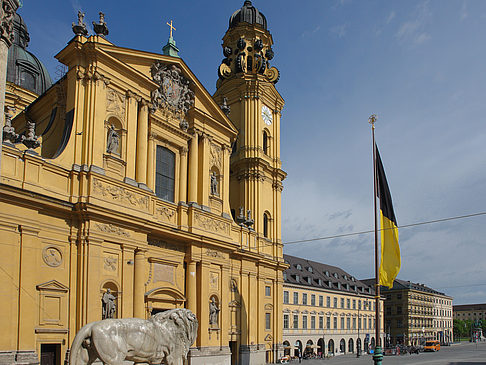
point(119, 194)
point(166, 245)
point(211, 224)
point(163, 272)
point(52, 256)
point(173, 95)
point(214, 253)
point(214, 281)
point(110, 263)
point(165, 213)
point(7, 22)
point(216, 156)
point(111, 228)
point(115, 103)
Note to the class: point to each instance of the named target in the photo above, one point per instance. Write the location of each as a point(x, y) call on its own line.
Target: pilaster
point(28, 299)
point(191, 286)
point(151, 163)
point(98, 102)
point(204, 176)
point(142, 141)
point(226, 180)
point(183, 175)
point(193, 169)
point(139, 284)
point(131, 123)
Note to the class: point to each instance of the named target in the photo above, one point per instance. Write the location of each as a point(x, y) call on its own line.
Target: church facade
point(127, 189)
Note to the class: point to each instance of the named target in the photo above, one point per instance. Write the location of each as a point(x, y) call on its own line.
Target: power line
point(371, 231)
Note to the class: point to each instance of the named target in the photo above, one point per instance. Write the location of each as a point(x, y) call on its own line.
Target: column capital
point(183, 151)
point(132, 95)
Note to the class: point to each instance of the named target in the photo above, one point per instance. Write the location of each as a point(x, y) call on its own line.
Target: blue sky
point(419, 65)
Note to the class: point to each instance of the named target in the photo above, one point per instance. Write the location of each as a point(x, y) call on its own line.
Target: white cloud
point(340, 30)
point(390, 17)
point(307, 33)
point(413, 30)
point(463, 14)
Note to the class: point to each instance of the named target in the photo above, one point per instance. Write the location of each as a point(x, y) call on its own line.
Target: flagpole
point(377, 353)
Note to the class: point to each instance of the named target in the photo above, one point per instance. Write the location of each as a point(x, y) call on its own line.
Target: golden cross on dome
point(171, 28)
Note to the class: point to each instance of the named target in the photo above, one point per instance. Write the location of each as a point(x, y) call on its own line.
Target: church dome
point(23, 68)
point(248, 14)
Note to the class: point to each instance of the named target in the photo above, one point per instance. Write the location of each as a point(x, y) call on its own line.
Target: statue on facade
point(213, 313)
point(249, 221)
point(101, 28)
point(9, 135)
point(163, 338)
point(30, 140)
point(113, 141)
point(240, 219)
point(214, 183)
point(80, 28)
point(109, 305)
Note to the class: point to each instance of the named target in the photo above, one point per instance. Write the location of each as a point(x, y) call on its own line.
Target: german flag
point(390, 251)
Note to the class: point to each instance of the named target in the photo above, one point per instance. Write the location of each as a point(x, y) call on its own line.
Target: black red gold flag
point(390, 251)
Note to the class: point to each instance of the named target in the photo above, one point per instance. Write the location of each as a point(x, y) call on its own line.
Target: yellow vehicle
point(432, 346)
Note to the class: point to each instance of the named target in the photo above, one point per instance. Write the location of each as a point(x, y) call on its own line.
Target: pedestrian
point(300, 355)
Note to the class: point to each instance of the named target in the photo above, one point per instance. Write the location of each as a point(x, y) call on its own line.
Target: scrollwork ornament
point(6, 22)
point(224, 71)
point(272, 74)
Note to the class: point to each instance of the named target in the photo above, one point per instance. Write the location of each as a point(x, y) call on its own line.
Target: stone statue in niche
point(109, 305)
point(113, 141)
point(213, 313)
point(214, 183)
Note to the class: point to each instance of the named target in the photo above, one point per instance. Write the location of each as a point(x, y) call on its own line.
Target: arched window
point(265, 225)
point(165, 174)
point(265, 142)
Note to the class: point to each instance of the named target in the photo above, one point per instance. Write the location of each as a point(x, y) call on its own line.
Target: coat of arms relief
point(173, 95)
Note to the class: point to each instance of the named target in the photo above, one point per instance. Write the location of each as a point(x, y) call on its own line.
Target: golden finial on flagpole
point(372, 120)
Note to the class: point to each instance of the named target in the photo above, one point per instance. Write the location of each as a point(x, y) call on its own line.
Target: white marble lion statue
point(163, 338)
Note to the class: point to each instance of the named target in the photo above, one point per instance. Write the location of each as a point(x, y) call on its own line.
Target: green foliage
point(462, 328)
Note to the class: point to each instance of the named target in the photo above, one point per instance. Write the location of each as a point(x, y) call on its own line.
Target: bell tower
point(246, 90)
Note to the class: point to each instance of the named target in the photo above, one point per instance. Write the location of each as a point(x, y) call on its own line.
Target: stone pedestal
point(19, 358)
point(252, 354)
point(210, 355)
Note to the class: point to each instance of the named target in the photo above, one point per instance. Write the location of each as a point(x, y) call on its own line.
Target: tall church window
point(265, 225)
point(165, 174)
point(265, 142)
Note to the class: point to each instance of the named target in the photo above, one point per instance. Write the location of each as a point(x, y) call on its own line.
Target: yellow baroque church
point(127, 189)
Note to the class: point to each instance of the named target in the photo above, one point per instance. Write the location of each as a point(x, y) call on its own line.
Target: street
point(460, 354)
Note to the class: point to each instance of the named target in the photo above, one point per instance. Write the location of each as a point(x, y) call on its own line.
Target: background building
point(326, 310)
point(415, 313)
point(473, 312)
point(118, 186)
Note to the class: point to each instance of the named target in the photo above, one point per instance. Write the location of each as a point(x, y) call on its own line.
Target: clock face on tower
point(267, 115)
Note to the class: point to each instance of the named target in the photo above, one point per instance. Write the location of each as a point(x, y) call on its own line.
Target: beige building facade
point(415, 313)
point(326, 311)
point(127, 189)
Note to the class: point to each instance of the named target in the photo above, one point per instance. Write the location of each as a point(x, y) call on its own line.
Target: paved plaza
point(459, 354)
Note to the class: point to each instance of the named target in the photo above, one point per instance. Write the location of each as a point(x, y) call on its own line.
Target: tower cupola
point(248, 14)
point(247, 46)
